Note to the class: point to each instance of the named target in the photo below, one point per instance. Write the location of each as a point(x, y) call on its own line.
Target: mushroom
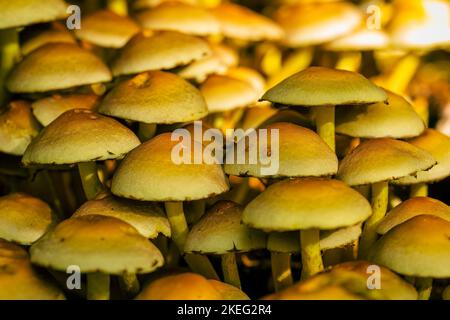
point(100, 246)
point(149, 173)
point(438, 145)
point(418, 247)
point(322, 89)
point(24, 219)
point(308, 205)
point(152, 98)
point(220, 232)
point(81, 137)
point(181, 17)
point(18, 279)
point(56, 33)
point(376, 162)
point(228, 292)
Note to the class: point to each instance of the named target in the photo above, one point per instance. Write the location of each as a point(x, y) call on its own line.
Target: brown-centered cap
point(306, 203)
point(418, 247)
point(183, 286)
point(19, 13)
point(96, 243)
point(413, 207)
point(48, 109)
point(105, 28)
point(17, 128)
point(319, 86)
point(57, 33)
point(57, 66)
point(162, 50)
point(80, 135)
point(151, 173)
point(312, 24)
point(223, 93)
point(23, 218)
point(181, 17)
point(438, 144)
point(155, 97)
point(238, 22)
point(397, 119)
point(383, 159)
point(301, 153)
point(148, 218)
point(220, 231)
point(18, 279)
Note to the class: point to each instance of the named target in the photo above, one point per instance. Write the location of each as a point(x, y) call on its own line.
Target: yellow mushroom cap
point(249, 75)
point(155, 97)
point(223, 93)
point(107, 29)
point(318, 86)
point(96, 243)
point(57, 66)
point(220, 231)
point(306, 203)
point(257, 115)
point(149, 173)
point(184, 286)
point(145, 4)
point(19, 13)
point(301, 153)
point(163, 50)
point(418, 247)
point(23, 218)
point(361, 40)
point(48, 109)
point(438, 145)
point(312, 24)
point(238, 22)
point(228, 292)
point(397, 119)
point(383, 159)
point(18, 280)
point(80, 135)
point(413, 207)
point(58, 33)
point(179, 17)
point(17, 128)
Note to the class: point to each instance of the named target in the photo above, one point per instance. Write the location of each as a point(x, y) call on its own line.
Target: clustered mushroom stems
point(9, 55)
point(379, 202)
point(89, 179)
point(325, 124)
point(180, 230)
point(310, 251)
point(281, 270)
point(230, 269)
point(400, 77)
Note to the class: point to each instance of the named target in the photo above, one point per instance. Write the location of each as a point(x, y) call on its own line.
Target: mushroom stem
point(9, 54)
point(399, 79)
point(178, 224)
point(241, 192)
point(419, 190)
point(281, 270)
point(89, 178)
point(424, 287)
point(118, 6)
point(130, 284)
point(380, 197)
point(55, 199)
point(146, 131)
point(350, 61)
point(310, 250)
point(97, 286)
point(230, 269)
point(325, 124)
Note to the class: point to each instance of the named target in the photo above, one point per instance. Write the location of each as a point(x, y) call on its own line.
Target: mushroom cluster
point(224, 150)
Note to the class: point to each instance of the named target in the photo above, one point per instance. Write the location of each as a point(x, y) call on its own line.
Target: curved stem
point(380, 196)
point(402, 74)
point(325, 124)
point(130, 284)
point(419, 190)
point(118, 6)
point(146, 131)
point(310, 250)
point(9, 55)
point(89, 178)
point(424, 287)
point(350, 61)
point(230, 269)
point(98, 286)
point(281, 270)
